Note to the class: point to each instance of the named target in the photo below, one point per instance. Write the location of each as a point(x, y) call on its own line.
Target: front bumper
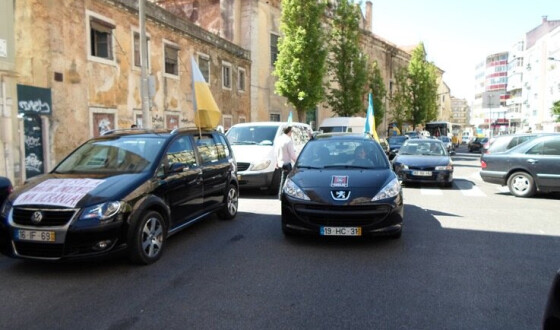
point(71, 241)
point(253, 180)
point(374, 219)
point(435, 176)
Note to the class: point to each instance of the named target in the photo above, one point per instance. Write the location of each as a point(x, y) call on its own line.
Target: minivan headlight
point(103, 212)
point(261, 165)
point(392, 189)
point(291, 189)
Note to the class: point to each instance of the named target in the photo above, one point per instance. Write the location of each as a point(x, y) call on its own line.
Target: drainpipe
point(7, 131)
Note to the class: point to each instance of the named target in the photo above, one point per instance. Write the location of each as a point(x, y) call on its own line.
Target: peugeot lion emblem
point(37, 217)
point(340, 195)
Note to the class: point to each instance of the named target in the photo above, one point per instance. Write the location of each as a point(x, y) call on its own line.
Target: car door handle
point(532, 161)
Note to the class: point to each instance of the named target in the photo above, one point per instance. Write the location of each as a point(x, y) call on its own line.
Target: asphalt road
point(471, 257)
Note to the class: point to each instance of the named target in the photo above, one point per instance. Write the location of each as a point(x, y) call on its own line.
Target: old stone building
point(81, 60)
point(255, 25)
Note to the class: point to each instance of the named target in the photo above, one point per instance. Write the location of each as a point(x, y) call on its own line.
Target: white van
point(343, 124)
point(255, 152)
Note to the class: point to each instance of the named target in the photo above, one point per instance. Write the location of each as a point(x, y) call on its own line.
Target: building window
point(227, 120)
point(171, 59)
point(273, 48)
point(102, 121)
point(241, 79)
point(101, 38)
point(204, 66)
point(226, 75)
point(137, 54)
point(274, 117)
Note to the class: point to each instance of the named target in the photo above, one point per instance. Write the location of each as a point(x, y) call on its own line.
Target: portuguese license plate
point(35, 235)
point(422, 173)
point(341, 231)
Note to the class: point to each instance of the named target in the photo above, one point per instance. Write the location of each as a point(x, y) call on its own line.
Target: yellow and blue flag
point(370, 127)
point(206, 111)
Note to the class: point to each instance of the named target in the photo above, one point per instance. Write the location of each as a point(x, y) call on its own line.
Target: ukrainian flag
point(206, 112)
point(369, 128)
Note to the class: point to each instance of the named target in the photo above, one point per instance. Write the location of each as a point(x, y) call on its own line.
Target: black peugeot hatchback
point(125, 191)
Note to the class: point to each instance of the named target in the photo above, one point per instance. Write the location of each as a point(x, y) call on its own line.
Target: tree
point(401, 100)
point(423, 88)
point(346, 63)
point(300, 66)
point(556, 110)
point(377, 88)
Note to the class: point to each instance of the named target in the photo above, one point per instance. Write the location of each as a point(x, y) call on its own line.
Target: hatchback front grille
point(49, 217)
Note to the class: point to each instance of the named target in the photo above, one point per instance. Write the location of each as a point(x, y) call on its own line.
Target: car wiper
point(309, 167)
point(245, 142)
point(347, 166)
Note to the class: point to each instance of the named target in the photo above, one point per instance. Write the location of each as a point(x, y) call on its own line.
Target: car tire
point(521, 184)
point(148, 239)
point(396, 235)
point(231, 203)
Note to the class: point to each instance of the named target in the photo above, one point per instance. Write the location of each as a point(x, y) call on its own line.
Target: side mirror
point(176, 168)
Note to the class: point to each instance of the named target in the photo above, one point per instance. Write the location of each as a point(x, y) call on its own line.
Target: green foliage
point(556, 110)
point(423, 88)
point(401, 99)
point(346, 63)
point(378, 90)
point(300, 65)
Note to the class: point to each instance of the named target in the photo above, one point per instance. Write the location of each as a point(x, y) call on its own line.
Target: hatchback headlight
point(392, 189)
point(448, 167)
point(261, 165)
point(292, 189)
point(103, 212)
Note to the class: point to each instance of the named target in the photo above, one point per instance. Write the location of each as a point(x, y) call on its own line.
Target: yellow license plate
point(35, 235)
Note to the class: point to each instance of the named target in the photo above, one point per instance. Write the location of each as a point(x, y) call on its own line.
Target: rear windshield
point(261, 135)
point(424, 148)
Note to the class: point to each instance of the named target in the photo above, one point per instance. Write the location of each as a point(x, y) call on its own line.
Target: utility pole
point(146, 118)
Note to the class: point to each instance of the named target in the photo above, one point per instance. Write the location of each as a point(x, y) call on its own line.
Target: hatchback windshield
point(127, 154)
point(323, 153)
point(397, 139)
point(263, 135)
point(427, 148)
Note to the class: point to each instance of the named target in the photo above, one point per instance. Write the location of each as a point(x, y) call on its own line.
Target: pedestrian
point(286, 154)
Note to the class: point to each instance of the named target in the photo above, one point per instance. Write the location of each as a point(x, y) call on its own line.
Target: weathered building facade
point(83, 56)
point(255, 25)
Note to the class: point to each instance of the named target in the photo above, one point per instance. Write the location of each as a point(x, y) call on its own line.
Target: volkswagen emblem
point(340, 195)
point(37, 217)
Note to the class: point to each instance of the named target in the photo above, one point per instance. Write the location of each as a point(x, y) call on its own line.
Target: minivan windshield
point(124, 154)
point(262, 135)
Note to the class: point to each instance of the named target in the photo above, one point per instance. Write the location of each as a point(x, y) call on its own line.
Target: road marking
point(431, 192)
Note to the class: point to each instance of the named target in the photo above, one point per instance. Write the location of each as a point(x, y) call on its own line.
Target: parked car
point(342, 185)
point(505, 142)
point(122, 192)
point(531, 167)
point(5, 189)
point(254, 146)
point(476, 144)
point(424, 161)
point(395, 143)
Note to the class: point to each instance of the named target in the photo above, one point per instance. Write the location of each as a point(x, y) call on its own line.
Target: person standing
point(286, 154)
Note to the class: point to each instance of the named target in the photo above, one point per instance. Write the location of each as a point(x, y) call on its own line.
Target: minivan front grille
point(242, 166)
point(49, 217)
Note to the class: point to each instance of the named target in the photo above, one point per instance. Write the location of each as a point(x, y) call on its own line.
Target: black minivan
point(125, 191)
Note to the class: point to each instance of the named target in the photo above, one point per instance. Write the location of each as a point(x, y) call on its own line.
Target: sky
point(458, 34)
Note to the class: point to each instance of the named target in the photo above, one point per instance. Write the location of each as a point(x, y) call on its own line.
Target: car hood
point(251, 152)
point(70, 190)
point(319, 184)
point(418, 160)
